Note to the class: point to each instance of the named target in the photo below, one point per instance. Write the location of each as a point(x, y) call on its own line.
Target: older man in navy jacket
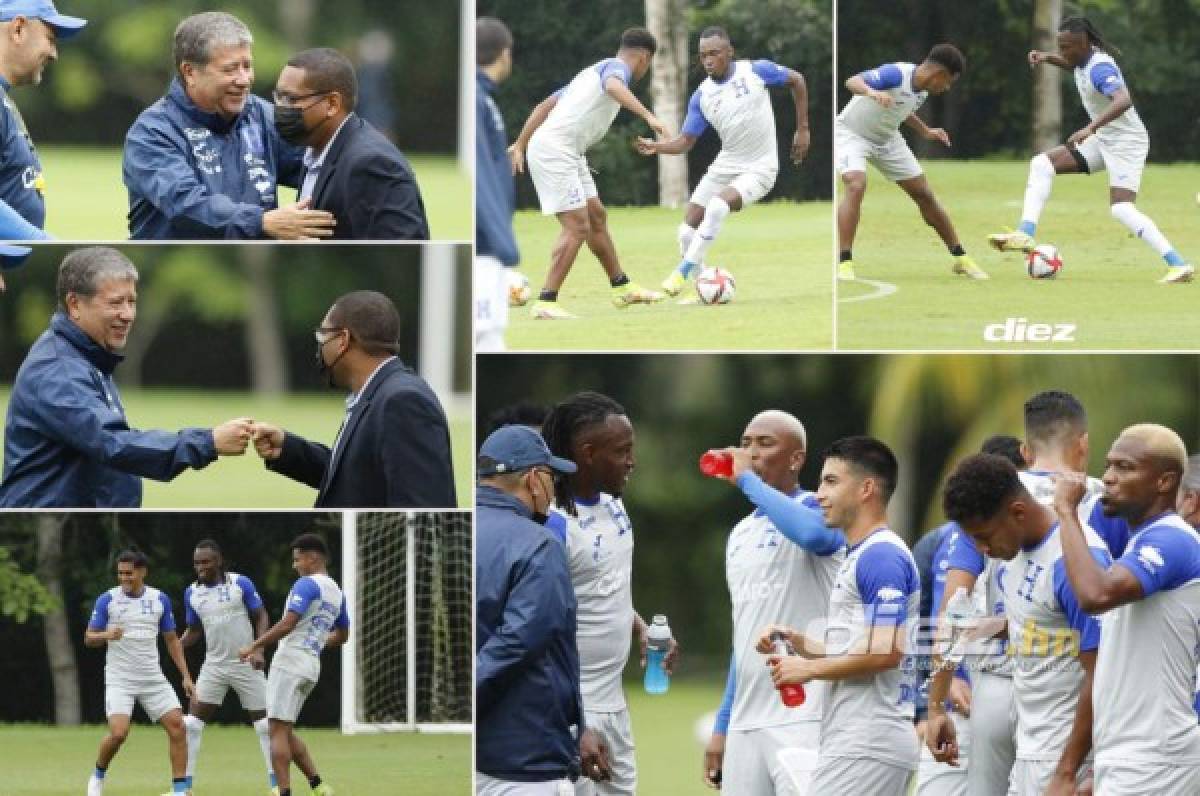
point(67, 442)
point(527, 696)
point(203, 161)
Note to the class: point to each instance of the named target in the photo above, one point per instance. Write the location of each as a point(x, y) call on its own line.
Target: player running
point(128, 619)
point(734, 100)
point(592, 430)
point(868, 743)
point(1115, 140)
point(868, 131)
point(1050, 636)
point(219, 608)
point(315, 619)
point(557, 134)
point(1146, 737)
point(780, 563)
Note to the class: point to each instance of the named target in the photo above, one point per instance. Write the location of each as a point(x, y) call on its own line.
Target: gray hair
point(200, 34)
point(1191, 476)
point(83, 270)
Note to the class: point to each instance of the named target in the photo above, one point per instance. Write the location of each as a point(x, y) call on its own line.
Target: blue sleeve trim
point(771, 73)
point(343, 617)
point(1164, 558)
point(167, 623)
point(99, 620)
point(1085, 624)
point(884, 77)
point(963, 554)
point(250, 596)
point(613, 67)
point(695, 123)
point(556, 524)
point(558, 93)
point(189, 616)
point(721, 725)
point(800, 524)
point(885, 579)
point(1105, 78)
point(303, 593)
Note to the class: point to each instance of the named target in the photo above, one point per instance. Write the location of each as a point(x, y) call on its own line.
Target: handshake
point(233, 437)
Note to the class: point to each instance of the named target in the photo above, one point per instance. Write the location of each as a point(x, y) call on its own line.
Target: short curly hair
point(979, 487)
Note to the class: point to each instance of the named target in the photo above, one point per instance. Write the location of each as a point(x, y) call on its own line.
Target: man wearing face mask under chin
point(351, 169)
point(393, 448)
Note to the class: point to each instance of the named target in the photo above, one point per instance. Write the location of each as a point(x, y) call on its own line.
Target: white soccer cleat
point(548, 311)
point(1011, 242)
point(1177, 274)
point(95, 787)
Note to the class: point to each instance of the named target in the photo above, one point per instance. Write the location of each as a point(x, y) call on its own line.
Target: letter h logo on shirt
point(1033, 571)
point(147, 607)
point(740, 87)
point(620, 518)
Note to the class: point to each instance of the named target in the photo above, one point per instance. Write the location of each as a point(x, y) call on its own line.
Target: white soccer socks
point(714, 216)
point(1037, 192)
point(193, 728)
point(684, 235)
point(264, 741)
point(1140, 224)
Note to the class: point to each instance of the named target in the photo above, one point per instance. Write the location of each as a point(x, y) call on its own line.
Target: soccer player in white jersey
point(780, 562)
point(1115, 140)
point(1146, 736)
point(734, 100)
point(868, 742)
point(315, 619)
point(219, 608)
point(1052, 639)
point(128, 620)
point(868, 131)
point(593, 431)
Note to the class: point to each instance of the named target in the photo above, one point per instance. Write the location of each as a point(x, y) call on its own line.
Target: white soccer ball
point(1043, 262)
point(715, 285)
point(519, 289)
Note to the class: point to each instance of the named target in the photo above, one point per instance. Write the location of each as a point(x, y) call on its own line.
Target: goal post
point(407, 664)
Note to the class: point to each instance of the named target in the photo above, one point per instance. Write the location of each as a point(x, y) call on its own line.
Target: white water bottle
point(961, 617)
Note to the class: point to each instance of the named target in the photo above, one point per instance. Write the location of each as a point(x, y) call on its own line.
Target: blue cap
point(510, 449)
point(12, 256)
point(64, 26)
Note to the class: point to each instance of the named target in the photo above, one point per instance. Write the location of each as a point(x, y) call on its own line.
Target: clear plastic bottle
point(658, 642)
point(792, 694)
point(716, 463)
point(961, 615)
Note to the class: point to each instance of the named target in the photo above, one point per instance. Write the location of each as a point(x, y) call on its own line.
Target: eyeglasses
point(285, 99)
point(324, 330)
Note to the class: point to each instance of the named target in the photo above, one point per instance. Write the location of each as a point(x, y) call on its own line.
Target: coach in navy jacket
point(203, 161)
point(67, 442)
point(526, 663)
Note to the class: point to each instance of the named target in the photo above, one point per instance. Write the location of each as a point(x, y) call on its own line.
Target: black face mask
point(289, 123)
point(326, 370)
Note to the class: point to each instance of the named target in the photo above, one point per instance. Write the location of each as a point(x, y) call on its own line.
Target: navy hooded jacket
point(495, 191)
point(66, 441)
point(192, 174)
point(526, 662)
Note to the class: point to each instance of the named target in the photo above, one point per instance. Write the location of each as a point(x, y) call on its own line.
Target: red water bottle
point(792, 694)
point(717, 463)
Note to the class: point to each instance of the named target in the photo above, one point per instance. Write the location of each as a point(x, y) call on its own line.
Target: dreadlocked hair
point(563, 424)
point(1084, 25)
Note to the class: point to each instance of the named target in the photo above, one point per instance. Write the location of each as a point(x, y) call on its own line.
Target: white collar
point(315, 163)
point(352, 401)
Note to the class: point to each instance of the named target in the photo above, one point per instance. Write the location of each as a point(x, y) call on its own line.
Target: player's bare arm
point(175, 650)
point(917, 124)
point(678, 145)
point(1097, 589)
point(1079, 742)
point(98, 638)
point(1121, 102)
point(805, 645)
point(516, 152)
point(617, 89)
point(802, 138)
point(337, 637)
point(1036, 57)
point(881, 650)
point(191, 635)
point(856, 85)
point(284, 626)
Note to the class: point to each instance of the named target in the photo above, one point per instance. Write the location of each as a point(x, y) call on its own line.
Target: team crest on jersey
point(1150, 558)
point(887, 593)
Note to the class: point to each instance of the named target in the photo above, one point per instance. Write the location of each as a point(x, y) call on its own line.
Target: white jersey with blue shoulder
point(133, 658)
point(599, 541)
point(1113, 530)
point(1097, 81)
point(223, 610)
point(584, 110)
point(1146, 667)
point(773, 580)
point(322, 607)
point(872, 717)
point(867, 118)
point(739, 109)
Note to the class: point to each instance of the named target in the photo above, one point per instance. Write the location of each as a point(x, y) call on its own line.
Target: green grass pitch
point(86, 199)
point(242, 481)
point(669, 754)
point(1106, 288)
point(56, 761)
point(779, 253)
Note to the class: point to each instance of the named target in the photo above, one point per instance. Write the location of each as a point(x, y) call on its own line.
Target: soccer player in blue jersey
point(868, 744)
point(1051, 638)
point(1146, 737)
point(128, 620)
point(315, 619)
point(557, 135)
point(735, 101)
point(1115, 140)
point(780, 563)
point(868, 131)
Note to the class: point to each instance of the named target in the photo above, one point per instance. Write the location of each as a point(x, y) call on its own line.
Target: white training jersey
point(867, 118)
point(322, 607)
point(772, 580)
point(872, 717)
point(223, 610)
point(584, 110)
point(1097, 80)
point(133, 658)
point(1047, 629)
point(739, 109)
point(599, 541)
point(1146, 667)
point(1113, 530)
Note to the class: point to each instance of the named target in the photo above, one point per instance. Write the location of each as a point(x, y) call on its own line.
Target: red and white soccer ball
point(1043, 262)
point(715, 285)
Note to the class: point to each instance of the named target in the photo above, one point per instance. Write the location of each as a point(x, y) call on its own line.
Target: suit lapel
point(351, 423)
point(348, 131)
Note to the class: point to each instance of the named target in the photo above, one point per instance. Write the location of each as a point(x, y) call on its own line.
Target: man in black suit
point(393, 449)
point(351, 169)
